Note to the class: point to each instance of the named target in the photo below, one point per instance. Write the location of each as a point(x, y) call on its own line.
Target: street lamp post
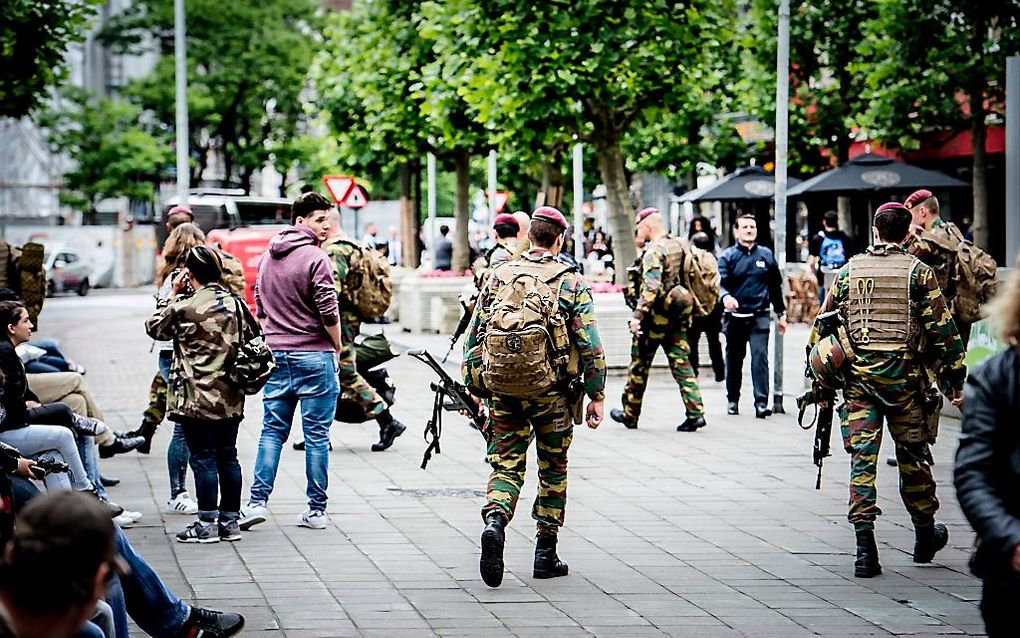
point(782, 135)
point(181, 73)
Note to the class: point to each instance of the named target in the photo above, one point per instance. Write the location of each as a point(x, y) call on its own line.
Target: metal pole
point(181, 128)
point(578, 202)
point(1012, 160)
point(492, 187)
point(430, 176)
point(782, 134)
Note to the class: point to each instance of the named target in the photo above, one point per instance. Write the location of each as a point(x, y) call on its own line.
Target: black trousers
point(998, 608)
point(213, 448)
point(51, 414)
point(711, 327)
point(741, 331)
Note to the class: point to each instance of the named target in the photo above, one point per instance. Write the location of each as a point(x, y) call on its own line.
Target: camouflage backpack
point(253, 362)
point(368, 286)
point(699, 274)
point(525, 347)
point(975, 276)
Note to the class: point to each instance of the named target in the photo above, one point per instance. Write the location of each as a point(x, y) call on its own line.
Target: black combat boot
point(620, 416)
point(691, 424)
point(547, 563)
point(866, 564)
point(493, 537)
point(389, 430)
point(929, 539)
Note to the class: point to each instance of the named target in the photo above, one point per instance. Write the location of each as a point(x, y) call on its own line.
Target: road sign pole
point(492, 187)
point(181, 107)
point(578, 202)
point(782, 135)
point(1012, 160)
point(430, 177)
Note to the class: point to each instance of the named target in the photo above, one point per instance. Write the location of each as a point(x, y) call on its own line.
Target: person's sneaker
point(620, 416)
point(125, 519)
point(314, 519)
point(199, 532)
point(251, 515)
point(114, 509)
point(206, 623)
point(387, 434)
point(87, 425)
point(230, 531)
point(691, 424)
point(182, 504)
point(109, 481)
point(732, 408)
point(762, 412)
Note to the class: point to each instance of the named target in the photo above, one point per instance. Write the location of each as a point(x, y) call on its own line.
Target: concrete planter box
point(430, 304)
point(397, 276)
point(612, 315)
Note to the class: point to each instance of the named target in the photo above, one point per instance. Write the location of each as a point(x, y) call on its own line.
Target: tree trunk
point(407, 215)
point(552, 181)
point(846, 221)
point(462, 211)
point(621, 222)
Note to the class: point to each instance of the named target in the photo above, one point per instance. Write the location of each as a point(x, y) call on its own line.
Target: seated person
point(41, 356)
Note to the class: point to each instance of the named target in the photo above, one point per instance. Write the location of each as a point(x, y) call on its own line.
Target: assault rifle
point(467, 305)
point(450, 396)
point(822, 400)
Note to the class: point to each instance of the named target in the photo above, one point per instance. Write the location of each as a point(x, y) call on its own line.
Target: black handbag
point(253, 361)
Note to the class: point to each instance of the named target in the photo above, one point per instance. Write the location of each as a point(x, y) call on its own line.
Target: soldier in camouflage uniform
point(205, 330)
point(550, 417)
point(898, 331)
point(655, 325)
point(340, 250)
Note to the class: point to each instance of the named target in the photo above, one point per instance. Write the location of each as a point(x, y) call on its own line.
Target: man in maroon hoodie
point(296, 303)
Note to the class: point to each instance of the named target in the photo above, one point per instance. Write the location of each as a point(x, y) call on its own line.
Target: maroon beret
point(645, 213)
point(181, 209)
point(917, 197)
point(891, 206)
point(551, 215)
point(506, 218)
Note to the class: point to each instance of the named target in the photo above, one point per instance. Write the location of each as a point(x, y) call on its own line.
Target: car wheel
point(51, 288)
point(83, 289)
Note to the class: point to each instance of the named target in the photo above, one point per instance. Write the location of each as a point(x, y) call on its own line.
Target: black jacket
point(15, 387)
point(988, 464)
point(752, 277)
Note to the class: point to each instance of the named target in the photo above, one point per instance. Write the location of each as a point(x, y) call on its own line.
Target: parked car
point(66, 271)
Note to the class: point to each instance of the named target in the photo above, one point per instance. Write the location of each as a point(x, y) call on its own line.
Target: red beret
point(506, 218)
point(551, 215)
point(181, 209)
point(917, 197)
point(644, 213)
point(891, 206)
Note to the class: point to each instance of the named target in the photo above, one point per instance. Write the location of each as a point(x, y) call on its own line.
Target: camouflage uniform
point(205, 332)
point(352, 384)
point(511, 421)
point(891, 385)
point(659, 329)
point(932, 248)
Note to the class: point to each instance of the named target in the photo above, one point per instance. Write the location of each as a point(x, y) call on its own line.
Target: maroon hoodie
point(294, 293)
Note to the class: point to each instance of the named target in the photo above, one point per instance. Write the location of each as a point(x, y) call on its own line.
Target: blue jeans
point(89, 453)
point(308, 378)
point(177, 455)
point(152, 606)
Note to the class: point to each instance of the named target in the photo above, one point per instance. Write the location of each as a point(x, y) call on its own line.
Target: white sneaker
point(125, 520)
point(182, 504)
point(315, 519)
point(134, 516)
point(251, 515)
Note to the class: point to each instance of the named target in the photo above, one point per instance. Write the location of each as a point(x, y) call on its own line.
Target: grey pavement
point(716, 533)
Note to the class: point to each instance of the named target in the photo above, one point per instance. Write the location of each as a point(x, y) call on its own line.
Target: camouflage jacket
point(941, 259)
point(499, 254)
point(575, 300)
point(205, 332)
point(940, 352)
point(340, 252)
point(233, 273)
point(651, 297)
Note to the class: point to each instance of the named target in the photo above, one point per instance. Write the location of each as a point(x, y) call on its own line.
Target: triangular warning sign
point(339, 186)
point(355, 199)
point(501, 199)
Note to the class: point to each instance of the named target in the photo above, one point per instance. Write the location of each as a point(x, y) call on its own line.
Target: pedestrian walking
point(894, 333)
point(204, 328)
point(987, 476)
point(346, 258)
point(533, 348)
point(750, 280)
point(660, 320)
point(295, 299)
point(710, 325)
point(828, 251)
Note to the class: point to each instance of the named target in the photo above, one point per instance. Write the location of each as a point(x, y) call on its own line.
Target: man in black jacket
point(988, 471)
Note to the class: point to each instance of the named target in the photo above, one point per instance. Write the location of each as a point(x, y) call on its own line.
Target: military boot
point(547, 563)
point(493, 537)
point(620, 416)
point(929, 539)
point(691, 424)
point(146, 430)
point(866, 564)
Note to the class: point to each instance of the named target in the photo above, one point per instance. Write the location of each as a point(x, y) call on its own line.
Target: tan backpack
point(699, 273)
point(526, 347)
point(973, 275)
point(368, 286)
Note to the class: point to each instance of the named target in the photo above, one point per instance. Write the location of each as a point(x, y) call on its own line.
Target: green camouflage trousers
point(512, 421)
point(658, 333)
point(352, 384)
point(861, 419)
point(156, 412)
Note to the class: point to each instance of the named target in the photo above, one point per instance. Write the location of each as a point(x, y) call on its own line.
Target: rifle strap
point(434, 428)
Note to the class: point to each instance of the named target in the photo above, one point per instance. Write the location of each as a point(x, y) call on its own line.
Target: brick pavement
point(718, 533)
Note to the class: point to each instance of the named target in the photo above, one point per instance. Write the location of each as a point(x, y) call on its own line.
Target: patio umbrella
point(874, 173)
point(747, 184)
